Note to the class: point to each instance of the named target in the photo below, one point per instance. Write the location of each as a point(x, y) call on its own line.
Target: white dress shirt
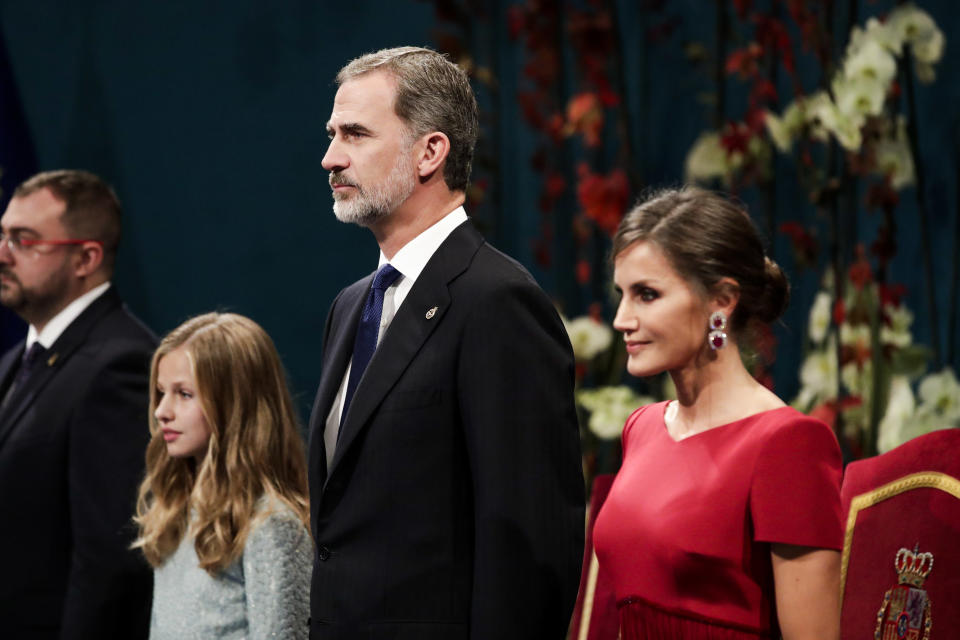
point(409, 261)
point(59, 323)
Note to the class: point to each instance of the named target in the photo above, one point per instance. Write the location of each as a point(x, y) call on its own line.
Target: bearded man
point(445, 475)
point(73, 419)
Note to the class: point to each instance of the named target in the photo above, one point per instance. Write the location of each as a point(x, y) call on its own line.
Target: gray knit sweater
point(264, 594)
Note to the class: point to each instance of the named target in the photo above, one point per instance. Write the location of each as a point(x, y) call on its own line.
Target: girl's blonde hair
point(255, 447)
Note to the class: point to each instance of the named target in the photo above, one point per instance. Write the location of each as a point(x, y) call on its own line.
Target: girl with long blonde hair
point(223, 510)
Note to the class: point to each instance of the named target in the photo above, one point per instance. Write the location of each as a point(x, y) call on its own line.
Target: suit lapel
point(8, 366)
point(420, 314)
point(68, 342)
point(343, 331)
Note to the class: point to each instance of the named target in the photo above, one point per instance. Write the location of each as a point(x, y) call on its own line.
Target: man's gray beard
point(365, 207)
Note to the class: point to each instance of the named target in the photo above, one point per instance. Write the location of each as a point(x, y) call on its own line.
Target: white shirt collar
point(413, 257)
point(59, 323)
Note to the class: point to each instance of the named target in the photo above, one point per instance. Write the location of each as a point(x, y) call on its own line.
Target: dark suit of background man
point(73, 421)
point(447, 498)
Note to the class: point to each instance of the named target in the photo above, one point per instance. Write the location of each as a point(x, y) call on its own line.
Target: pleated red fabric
point(642, 620)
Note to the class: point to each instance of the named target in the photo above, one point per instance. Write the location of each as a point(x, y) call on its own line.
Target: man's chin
point(9, 299)
point(359, 218)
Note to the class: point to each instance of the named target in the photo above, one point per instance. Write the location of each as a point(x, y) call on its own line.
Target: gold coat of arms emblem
point(905, 613)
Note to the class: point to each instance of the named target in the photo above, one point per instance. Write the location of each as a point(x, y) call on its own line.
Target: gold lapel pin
point(52, 359)
point(431, 313)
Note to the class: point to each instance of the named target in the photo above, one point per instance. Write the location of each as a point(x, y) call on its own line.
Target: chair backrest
point(595, 615)
point(901, 554)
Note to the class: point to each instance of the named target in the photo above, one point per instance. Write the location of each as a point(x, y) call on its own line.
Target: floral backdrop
point(806, 98)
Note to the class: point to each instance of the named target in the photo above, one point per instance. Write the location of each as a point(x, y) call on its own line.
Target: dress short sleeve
point(625, 437)
point(795, 490)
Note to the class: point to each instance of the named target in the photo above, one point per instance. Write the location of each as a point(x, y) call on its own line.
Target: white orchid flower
point(588, 337)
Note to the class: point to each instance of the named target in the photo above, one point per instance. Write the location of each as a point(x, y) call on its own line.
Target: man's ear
point(89, 259)
point(726, 295)
point(435, 151)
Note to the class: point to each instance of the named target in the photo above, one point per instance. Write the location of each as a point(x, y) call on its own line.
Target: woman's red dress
point(686, 530)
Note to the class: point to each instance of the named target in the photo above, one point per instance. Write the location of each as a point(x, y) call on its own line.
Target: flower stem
point(922, 216)
point(719, 69)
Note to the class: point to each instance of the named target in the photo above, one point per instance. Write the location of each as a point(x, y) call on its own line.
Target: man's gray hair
point(433, 94)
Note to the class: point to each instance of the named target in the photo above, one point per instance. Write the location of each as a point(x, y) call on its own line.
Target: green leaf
point(910, 361)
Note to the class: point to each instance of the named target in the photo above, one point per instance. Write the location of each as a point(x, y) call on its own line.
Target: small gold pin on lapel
point(431, 313)
point(52, 359)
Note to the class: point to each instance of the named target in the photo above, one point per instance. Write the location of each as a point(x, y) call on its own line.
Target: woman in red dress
point(724, 520)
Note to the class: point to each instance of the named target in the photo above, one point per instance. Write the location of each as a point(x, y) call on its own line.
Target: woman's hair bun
point(776, 293)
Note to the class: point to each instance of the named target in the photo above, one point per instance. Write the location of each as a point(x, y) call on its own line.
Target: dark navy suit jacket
point(454, 506)
point(72, 443)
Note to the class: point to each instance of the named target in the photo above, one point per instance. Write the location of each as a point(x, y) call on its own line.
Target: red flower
point(744, 61)
point(774, 39)
point(583, 271)
point(595, 311)
point(585, 116)
point(884, 247)
point(891, 294)
point(804, 243)
point(756, 119)
point(826, 412)
point(580, 370)
point(763, 92)
point(608, 97)
point(857, 352)
point(736, 136)
point(860, 272)
point(554, 127)
point(881, 195)
point(556, 184)
point(603, 198)
point(839, 312)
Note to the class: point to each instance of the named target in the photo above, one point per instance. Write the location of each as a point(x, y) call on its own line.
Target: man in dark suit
point(73, 420)
point(446, 491)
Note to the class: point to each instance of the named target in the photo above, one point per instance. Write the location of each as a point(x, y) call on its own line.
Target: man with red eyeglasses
point(73, 419)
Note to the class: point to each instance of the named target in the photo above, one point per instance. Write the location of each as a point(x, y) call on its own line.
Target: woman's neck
point(715, 390)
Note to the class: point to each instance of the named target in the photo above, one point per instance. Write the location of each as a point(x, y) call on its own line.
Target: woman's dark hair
point(707, 237)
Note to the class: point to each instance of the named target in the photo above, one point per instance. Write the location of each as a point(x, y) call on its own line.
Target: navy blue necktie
point(367, 331)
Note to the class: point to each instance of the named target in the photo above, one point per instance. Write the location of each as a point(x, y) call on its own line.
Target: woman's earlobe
point(726, 296)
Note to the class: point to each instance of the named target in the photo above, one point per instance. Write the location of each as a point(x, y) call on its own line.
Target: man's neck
point(418, 213)
point(86, 286)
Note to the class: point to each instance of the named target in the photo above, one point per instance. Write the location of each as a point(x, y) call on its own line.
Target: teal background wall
point(208, 117)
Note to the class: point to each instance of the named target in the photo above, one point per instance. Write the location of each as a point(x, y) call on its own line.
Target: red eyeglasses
point(18, 244)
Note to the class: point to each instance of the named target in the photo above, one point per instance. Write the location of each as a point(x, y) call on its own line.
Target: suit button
point(323, 553)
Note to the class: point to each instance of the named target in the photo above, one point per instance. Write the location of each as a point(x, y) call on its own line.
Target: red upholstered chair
point(901, 554)
point(595, 615)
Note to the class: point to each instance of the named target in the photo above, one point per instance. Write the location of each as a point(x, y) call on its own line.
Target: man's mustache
point(5, 271)
point(337, 180)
